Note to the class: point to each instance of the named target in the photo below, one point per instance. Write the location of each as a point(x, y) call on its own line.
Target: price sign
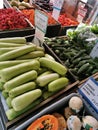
point(57, 8)
point(89, 91)
point(55, 13)
point(1, 4)
point(41, 21)
point(58, 3)
point(94, 52)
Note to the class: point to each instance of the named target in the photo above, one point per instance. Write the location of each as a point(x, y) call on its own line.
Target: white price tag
point(89, 90)
point(41, 20)
point(58, 3)
point(57, 8)
point(55, 14)
point(1, 4)
point(94, 52)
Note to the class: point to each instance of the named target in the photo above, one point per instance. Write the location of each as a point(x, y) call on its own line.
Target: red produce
point(66, 21)
point(11, 19)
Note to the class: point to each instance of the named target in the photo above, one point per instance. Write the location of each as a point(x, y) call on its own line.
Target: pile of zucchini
point(27, 75)
point(74, 56)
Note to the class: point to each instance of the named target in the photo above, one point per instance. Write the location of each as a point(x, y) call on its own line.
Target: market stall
point(48, 57)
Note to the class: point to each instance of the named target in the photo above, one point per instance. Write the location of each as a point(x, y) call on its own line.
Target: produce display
point(28, 75)
point(20, 5)
point(65, 20)
point(69, 117)
point(75, 53)
point(10, 19)
point(30, 15)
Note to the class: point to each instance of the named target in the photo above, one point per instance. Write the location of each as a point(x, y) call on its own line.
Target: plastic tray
point(53, 108)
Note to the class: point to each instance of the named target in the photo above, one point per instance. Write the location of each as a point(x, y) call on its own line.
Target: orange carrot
point(30, 14)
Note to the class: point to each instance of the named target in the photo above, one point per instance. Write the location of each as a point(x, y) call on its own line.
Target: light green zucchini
point(4, 50)
point(19, 80)
point(45, 73)
point(22, 89)
point(31, 55)
point(45, 79)
point(8, 101)
point(24, 100)
point(38, 48)
point(17, 52)
point(13, 71)
point(49, 57)
point(58, 84)
point(53, 65)
point(19, 40)
point(6, 45)
point(12, 114)
point(6, 64)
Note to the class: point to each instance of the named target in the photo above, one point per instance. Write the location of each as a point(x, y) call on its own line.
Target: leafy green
point(94, 28)
point(83, 36)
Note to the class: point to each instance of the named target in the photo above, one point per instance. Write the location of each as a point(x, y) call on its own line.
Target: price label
point(57, 8)
point(94, 52)
point(41, 21)
point(89, 90)
point(55, 14)
point(58, 4)
point(1, 4)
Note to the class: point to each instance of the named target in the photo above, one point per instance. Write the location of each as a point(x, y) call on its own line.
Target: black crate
point(17, 33)
point(53, 30)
